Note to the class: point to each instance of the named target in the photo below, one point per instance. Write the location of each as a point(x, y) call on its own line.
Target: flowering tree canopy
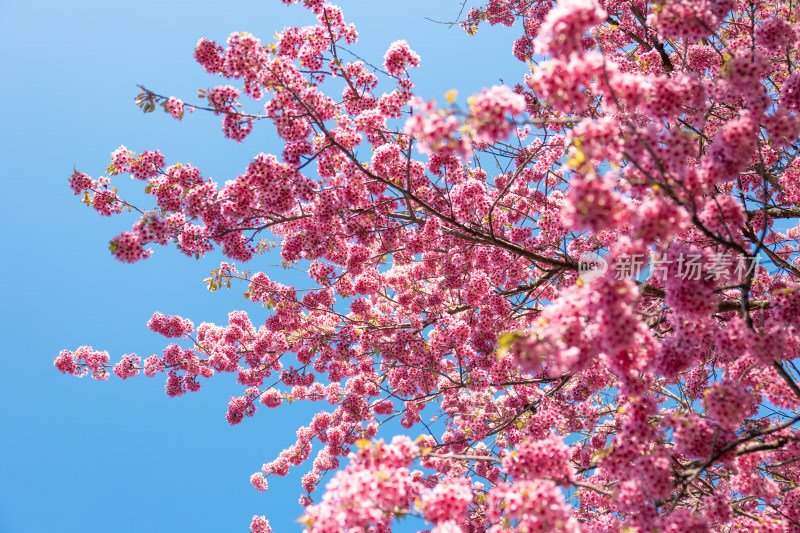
point(577, 295)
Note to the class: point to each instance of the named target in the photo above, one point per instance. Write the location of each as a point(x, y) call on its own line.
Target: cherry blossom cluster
point(399, 57)
point(174, 107)
point(447, 291)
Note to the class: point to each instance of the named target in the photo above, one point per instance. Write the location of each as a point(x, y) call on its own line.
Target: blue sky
point(85, 456)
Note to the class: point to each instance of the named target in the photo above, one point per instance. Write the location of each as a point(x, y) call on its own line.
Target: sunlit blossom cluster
point(445, 295)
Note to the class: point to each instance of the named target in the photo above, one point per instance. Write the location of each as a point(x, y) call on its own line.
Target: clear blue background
point(85, 456)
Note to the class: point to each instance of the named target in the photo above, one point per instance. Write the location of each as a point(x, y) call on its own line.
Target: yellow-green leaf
point(505, 341)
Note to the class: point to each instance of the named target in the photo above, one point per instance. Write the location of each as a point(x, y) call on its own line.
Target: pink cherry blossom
point(447, 294)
